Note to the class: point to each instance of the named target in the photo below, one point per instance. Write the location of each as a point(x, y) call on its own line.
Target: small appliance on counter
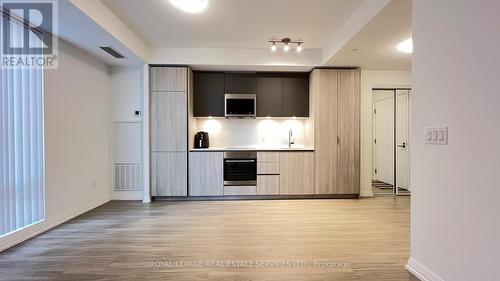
point(201, 140)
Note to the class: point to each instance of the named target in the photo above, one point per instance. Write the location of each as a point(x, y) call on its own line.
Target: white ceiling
point(233, 34)
point(376, 42)
point(234, 23)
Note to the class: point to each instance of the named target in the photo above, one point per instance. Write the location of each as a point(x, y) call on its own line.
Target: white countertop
point(256, 148)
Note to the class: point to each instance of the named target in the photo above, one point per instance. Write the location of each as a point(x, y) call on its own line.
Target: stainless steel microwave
point(240, 105)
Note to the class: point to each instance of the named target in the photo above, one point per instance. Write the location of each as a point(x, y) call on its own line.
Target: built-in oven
point(240, 105)
point(240, 168)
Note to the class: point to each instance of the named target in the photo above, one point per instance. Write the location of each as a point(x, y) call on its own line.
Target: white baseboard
point(421, 272)
point(29, 232)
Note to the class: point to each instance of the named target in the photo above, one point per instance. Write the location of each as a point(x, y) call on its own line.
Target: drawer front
point(268, 157)
point(240, 190)
point(268, 168)
point(268, 185)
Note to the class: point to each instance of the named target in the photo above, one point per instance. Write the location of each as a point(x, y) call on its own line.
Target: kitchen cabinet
point(268, 168)
point(240, 83)
point(206, 173)
point(239, 190)
point(168, 127)
point(296, 96)
point(169, 174)
point(168, 79)
point(278, 94)
point(296, 173)
point(208, 94)
point(268, 173)
point(335, 95)
point(268, 184)
point(268, 157)
point(168, 121)
point(270, 96)
point(348, 180)
point(324, 86)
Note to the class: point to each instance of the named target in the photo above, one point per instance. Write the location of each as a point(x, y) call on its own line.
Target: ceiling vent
point(112, 52)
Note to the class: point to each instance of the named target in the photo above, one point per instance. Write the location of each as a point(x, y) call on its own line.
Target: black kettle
point(201, 140)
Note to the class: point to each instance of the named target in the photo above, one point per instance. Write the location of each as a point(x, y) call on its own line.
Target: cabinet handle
point(240, 161)
point(338, 140)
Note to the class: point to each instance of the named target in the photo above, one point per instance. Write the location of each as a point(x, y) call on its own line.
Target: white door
point(383, 142)
point(402, 145)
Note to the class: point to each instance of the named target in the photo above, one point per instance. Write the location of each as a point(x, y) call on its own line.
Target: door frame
point(394, 90)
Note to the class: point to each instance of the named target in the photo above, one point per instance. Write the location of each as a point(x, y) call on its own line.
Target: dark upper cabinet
point(296, 96)
point(278, 94)
point(240, 83)
point(208, 94)
point(270, 96)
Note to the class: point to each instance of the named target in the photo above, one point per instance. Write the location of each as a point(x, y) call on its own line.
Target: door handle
point(402, 145)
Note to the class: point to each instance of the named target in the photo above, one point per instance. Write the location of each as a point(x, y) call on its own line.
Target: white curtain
point(22, 180)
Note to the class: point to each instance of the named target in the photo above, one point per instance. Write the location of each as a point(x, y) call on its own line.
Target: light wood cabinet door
point(169, 173)
point(168, 79)
point(324, 88)
point(206, 173)
point(348, 179)
point(268, 185)
point(168, 121)
point(268, 168)
point(239, 190)
point(268, 157)
point(296, 173)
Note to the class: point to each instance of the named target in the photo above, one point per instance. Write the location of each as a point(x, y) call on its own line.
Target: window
point(22, 171)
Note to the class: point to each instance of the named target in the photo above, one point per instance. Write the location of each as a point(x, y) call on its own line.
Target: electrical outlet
point(436, 135)
point(94, 185)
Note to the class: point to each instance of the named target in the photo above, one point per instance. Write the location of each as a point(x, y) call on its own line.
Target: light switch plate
point(436, 135)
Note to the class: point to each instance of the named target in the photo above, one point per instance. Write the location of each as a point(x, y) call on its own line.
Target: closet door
point(324, 86)
point(348, 179)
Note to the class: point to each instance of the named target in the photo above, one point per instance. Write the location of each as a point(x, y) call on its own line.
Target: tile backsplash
point(252, 132)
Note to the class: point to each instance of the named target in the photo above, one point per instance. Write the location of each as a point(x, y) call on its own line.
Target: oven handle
point(241, 161)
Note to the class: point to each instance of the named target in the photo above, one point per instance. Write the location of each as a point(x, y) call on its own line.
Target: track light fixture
point(299, 48)
point(273, 47)
point(286, 42)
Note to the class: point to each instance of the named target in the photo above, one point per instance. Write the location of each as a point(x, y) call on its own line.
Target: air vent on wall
point(112, 52)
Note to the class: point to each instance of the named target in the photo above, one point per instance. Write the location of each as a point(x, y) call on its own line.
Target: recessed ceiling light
point(190, 6)
point(406, 46)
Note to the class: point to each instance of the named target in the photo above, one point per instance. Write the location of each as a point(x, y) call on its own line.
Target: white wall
point(252, 132)
point(374, 79)
point(77, 140)
point(126, 97)
point(455, 198)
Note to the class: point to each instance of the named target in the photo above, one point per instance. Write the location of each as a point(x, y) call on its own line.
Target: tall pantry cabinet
point(168, 130)
point(335, 108)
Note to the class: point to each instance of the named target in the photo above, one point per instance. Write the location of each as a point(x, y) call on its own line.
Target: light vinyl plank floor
point(367, 239)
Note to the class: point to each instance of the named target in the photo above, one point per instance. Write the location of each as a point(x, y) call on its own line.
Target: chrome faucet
point(290, 138)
